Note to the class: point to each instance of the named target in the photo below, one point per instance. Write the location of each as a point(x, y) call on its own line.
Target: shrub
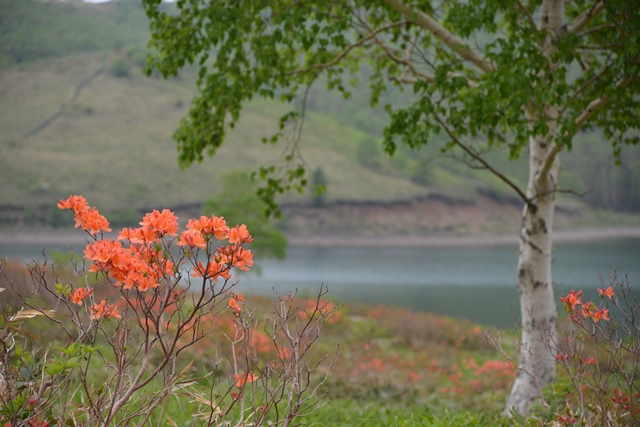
point(120, 67)
point(124, 362)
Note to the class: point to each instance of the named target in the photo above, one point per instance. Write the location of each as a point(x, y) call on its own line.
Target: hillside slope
point(79, 117)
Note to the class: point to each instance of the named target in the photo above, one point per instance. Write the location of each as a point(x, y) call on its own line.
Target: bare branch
point(584, 18)
point(431, 25)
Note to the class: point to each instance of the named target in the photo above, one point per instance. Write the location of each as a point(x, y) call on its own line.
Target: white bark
point(537, 363)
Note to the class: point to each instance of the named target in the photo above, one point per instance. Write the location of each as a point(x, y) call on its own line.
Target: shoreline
point(74, 237)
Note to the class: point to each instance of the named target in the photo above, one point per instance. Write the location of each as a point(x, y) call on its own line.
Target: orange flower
point(80, 294)
point(243, 259)
point(606, 292)
point(74, 203)
point(102, 310)
point(90, 219)
point(600, 314)
point(213, 270)
point(587, 360)
point(233, 304)
point(588, 309)
point(572, 300)
point(219, 227)
point(192, 238)
point(239, 234)
point(241, 380)
point(284, 353)
point(161, 223)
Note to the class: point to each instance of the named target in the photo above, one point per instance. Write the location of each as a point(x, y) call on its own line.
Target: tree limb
point(584, 18)
point(349, 48)
point(486, 164)
point(527, 14)
point(431, 25)
point(409, 64)
point(595, 105)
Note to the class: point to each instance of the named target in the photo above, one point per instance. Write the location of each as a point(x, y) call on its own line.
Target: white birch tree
point(527, 75)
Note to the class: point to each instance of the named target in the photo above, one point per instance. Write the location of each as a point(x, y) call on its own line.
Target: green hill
point(77, 116)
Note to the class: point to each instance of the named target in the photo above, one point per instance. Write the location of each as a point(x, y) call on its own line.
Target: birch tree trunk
point(537, 363)
point(538, 310)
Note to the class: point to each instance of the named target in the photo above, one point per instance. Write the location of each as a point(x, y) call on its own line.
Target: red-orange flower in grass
point(80, 294)
point(241, 380)
point(587, 360)
point(239, 234)
point(91, 220)
point(74, 203)
point(606, 292)
point(163, 223)
point(284, 353)
point(572, 300)
point(37, 422)
point(192, 238)
point(105, 254)
point(101, 310)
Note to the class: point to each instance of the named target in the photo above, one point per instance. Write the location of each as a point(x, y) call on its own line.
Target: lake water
point(477, 283)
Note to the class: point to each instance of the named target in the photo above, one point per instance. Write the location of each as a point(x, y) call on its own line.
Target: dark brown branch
point(486, 164)
point(526, 12)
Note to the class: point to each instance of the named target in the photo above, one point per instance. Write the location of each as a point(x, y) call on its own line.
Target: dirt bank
point(76, 237)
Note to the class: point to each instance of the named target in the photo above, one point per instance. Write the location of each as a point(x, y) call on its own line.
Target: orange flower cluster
point(143, 264)
point(573, 301)
point(87, 218)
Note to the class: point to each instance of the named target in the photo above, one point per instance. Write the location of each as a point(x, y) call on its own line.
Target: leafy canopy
point(471, 79)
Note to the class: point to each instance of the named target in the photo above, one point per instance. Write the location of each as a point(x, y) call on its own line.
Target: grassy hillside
point(78, 116)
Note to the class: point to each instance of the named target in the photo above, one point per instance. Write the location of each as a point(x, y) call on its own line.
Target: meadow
point(364, 365)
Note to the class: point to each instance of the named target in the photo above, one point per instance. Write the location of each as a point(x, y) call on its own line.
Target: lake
point(476, 283)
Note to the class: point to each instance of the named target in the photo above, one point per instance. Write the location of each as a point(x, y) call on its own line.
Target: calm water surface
point(476, 283)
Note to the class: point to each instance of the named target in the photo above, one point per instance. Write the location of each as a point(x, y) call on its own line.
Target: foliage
point(120, 363)
point(239, 203)
point(256, 53)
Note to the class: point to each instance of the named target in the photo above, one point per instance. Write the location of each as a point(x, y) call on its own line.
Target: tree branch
point(478, 158)
point(408, 63)
point(595, 105)
point(431, 25)
point(526, 12)
point(349, 48)
point(584, 18)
